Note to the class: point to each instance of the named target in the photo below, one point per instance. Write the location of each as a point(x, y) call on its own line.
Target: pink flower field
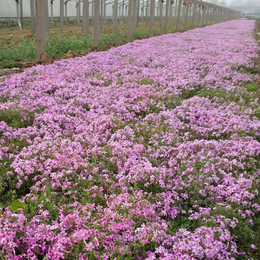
point(146, 151)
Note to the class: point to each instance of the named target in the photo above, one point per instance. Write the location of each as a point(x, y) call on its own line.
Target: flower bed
point(145, 151)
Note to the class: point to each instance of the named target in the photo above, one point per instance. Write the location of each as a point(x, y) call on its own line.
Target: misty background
point(244, 6)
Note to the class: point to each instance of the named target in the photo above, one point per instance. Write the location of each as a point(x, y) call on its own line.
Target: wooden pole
point(17, 11)
point(78, 12)
point(85, 18)
point(151, 18)
point(129, 20)
point(122, 12)
point(32, 6)
point(52, 12)
point(40, 28)
point(66, 12)
point(170, 12)
point(101, 13)
point(21, 13)
point(178, 15)
point(142, 10)
point(166, 16)
point(194, 4)
point(61, 15)
point(115, 15)
point(137, 13)
point(207, 15)
point(92, 12)
point(161, 10)
point(96, 23)
point(176, 9)
point(203, 14)
point(105, 13)
point(146, 13)
point(134, 15)
point(47, 20)
point(186, 15)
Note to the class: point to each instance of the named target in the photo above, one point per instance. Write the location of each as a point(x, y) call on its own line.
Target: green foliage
point(59, 45)
point(17, 117)
point(22, 50)
point(185, 94)
point(252, 87)
point(16, 205)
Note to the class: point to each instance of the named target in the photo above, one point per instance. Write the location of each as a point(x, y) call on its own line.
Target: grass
point(24, 49)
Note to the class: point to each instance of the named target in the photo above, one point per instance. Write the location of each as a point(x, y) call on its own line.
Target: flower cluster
point(145, 151)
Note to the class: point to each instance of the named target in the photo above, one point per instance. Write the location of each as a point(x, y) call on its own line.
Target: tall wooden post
point(142, 10)
point(178, 15)
point(47, 20)
point(105, 13)
point(194, 4)
point(186, 14)
point(78, 12)
point(161, 13)
point(199, 8)
point(86, 18)
point(166, 16)
point(134, 14)
point(101, 13)
point(96, 23)
point(115, 15)
point(146, 13)
point(32, 7)
point(151, 18)
point(21, 12)
point(92, 12)
point(137, 13)
point(203, 14)
point(176, 9)
point(61, 15)
point(129, 20)
point(40, 28)
point(170, 12)
point(52, 12)
point(66, 11)
point(17, 12)
point(122, 12)
point(207, 19)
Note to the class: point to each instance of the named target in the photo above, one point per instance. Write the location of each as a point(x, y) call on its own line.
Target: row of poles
point(129, 12)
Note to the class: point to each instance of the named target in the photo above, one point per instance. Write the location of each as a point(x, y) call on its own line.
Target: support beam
point(61, 15)
point(96, 23)
point(194, 5)
point(78, 12)
point(151, 18)
point(186, 12)
point(47, 28)
point(178, 15)
point(161, 13)
point(115, 15)
point(66, 12)
point(21, 13)
point(52, 12)
point(40, 28)
point(134, 14)
point(166, 16)
point(129, 20)
point(32, 7)
point(86, 18)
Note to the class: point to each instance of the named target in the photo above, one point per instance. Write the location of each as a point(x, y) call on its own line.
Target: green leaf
point(2, 206)
point(15, 205)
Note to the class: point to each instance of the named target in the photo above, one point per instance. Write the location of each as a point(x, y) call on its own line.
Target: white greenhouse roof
point(8, 8)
